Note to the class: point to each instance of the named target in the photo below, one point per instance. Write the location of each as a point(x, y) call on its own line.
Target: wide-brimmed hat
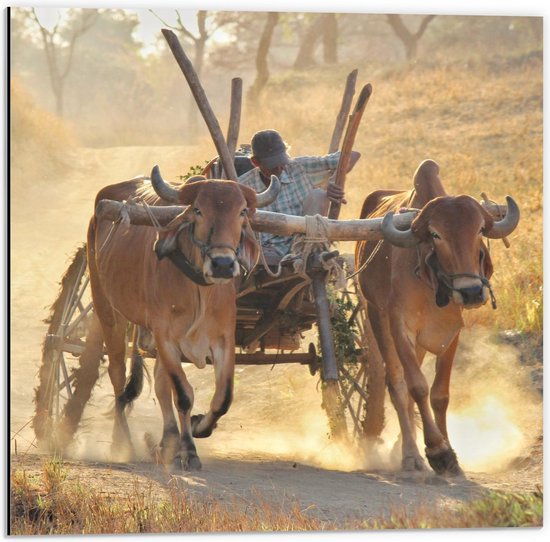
point(269, 148)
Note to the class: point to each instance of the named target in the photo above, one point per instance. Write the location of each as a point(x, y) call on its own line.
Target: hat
point(269, 148)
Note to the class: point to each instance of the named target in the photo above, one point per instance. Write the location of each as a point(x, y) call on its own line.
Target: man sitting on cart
point(305, 184)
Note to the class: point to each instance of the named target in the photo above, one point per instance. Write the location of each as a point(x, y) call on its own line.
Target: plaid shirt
point(298, 179)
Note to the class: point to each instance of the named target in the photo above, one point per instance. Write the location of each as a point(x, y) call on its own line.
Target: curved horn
point(162, 188)
point(269, 195)
point(508, 224)
point(403, 239)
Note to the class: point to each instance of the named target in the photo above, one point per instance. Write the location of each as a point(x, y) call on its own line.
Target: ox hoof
point(188, 461)
point(444, 462)
point(200, 433)
point(413, 463)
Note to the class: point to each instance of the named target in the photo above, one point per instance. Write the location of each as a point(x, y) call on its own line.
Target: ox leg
point(115, 342)
point(397, 387)
point(224, 367)
point(183, 395)
point(440, 455)
point(170, 442)
point(439, 400)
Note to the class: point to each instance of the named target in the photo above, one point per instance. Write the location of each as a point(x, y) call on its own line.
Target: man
point(302, 180)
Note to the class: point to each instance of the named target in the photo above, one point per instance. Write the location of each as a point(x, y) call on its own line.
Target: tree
point(262, 69)
point(60, 51)
point(409, 39)
point(325, 28)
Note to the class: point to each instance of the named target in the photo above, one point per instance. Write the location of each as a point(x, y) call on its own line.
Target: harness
point(445, 280)
point(171, 250)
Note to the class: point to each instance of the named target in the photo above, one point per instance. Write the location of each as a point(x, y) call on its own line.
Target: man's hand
point(335, 193)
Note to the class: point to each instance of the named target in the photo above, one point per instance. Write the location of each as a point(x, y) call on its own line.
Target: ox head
point(452, 257)
point(216, 221)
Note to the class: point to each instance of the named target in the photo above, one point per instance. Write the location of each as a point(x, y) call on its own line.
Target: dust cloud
point(495, 412)
point(495, 416)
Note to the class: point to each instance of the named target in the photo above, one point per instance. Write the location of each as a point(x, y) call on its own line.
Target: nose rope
point(206, 247)
point(447, 280)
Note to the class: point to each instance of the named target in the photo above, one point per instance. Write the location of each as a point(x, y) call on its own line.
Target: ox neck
point(182, 262)
point(180, 259)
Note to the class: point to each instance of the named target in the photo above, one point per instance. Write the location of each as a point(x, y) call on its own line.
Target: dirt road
point(274, 439)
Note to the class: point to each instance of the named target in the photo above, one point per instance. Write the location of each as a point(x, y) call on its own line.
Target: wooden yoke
point(202, 102)
point(347, 146)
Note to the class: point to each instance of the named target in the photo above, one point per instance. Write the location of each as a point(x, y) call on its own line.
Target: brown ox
point(416, 286)
point(190, 313)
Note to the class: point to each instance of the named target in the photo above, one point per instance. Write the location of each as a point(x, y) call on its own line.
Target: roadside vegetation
point(46, 504)
point(40, 142)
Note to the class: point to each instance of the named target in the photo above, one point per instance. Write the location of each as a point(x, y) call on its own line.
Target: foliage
point(345, 334)
point(344, 329)
point(57, 503)
point(192, 171)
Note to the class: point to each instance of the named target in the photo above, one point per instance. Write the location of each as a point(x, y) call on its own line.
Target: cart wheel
point(355, 403)
point(65, 385)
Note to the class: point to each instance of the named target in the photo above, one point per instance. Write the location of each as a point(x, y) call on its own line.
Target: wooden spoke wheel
point(71, 356)
point(355, 403)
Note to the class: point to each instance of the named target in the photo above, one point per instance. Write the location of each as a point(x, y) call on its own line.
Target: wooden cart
point(272, 313)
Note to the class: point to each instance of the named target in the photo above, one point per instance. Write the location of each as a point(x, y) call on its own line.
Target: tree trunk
point(304, 58)
point(262, 70)
point(409, 40)
point(330, 38)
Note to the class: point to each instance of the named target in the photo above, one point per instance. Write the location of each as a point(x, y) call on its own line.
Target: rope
point(313, 240)
point(368, 260)
point(284, 259)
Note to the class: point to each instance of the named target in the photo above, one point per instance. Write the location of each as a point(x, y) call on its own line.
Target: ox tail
point(134, 384)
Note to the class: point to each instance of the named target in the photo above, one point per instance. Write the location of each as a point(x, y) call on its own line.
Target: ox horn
point(162, 188)
point(400, 238)
point(508, 224)
point(269, 195)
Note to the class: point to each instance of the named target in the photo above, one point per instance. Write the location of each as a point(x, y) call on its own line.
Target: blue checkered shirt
point(300, 176)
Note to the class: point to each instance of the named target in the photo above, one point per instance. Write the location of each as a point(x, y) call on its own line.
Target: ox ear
point(167, 239)
point(420, 225)
point(425, 270)
point(189, 191)
point(485, 261)
point(249, 248)
point(250, 197)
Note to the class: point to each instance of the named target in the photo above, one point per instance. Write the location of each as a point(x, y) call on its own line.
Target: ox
point(181, 287)
point(417, 284)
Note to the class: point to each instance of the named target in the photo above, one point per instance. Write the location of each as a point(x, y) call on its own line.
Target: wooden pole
point(347, 146)
point(267, 221)
point(347, 98)
point(235, 114)
point(194, 83)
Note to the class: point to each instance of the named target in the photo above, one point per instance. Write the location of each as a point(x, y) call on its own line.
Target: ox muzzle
point(220, 260)
point(466, 289)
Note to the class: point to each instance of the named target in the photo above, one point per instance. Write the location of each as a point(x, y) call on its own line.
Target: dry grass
point(482, 124)
point(46, 504)
point(39, 140)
